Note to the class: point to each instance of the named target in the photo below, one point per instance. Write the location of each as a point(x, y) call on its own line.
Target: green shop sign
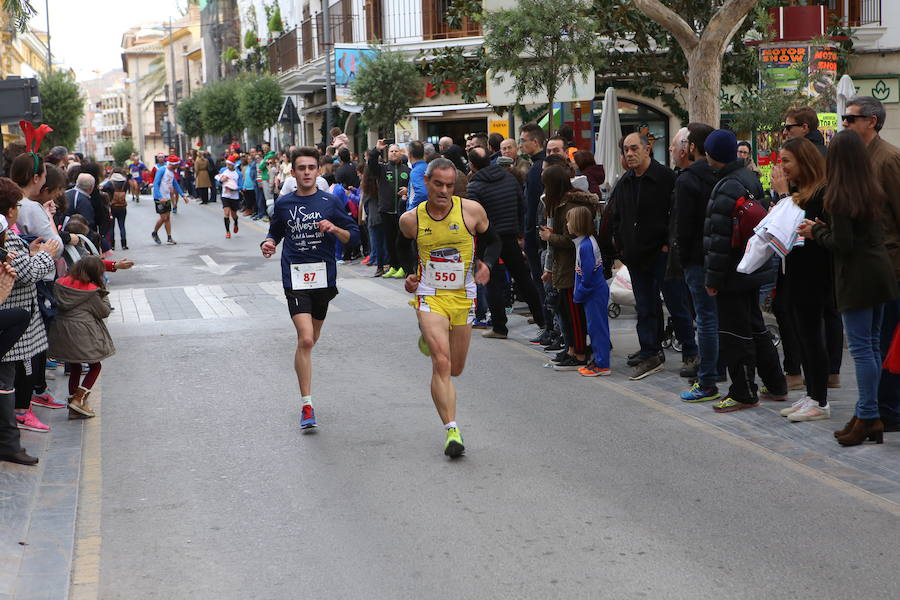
point(885, 88)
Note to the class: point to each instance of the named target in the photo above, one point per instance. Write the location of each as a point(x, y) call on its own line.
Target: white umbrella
point(845, 92)
point(607, 147)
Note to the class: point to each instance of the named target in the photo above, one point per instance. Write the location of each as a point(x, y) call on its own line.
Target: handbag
point(892, 360)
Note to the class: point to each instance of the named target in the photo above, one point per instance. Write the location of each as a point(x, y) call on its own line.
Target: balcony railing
point(855, 13)
point(283, 52)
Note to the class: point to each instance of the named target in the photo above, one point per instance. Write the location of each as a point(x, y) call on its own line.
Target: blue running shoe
point(307, 417)
point(700, 394)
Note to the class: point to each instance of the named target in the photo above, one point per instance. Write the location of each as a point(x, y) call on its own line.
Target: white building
point(113, 121)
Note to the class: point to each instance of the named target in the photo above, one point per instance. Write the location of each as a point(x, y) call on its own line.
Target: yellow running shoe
point(400, 274)
point(423, 346)
point(453, 447)
point(391, 274)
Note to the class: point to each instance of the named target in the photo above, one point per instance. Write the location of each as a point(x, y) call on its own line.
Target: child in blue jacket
point(591, 289)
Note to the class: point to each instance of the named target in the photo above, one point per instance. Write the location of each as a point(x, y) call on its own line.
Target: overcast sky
point(87, 35)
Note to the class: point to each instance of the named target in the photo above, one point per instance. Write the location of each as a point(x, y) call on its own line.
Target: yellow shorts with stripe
point(456, 307)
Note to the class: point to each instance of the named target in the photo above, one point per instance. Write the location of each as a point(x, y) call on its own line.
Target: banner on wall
point(347, 62)
point(788, 66)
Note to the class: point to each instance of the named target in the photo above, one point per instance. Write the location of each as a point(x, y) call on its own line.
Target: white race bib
point(309, 276)
point(445, 275)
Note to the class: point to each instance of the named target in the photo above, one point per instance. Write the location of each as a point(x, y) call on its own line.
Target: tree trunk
point(551, 95)
point(704, 84)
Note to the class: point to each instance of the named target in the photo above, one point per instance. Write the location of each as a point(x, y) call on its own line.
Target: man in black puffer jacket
point(393, 188)
point(499, 192)
point(744, 342)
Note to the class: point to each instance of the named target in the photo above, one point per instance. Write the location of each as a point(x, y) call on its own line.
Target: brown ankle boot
point(795, 382)
point(862, 430)
point(834, 381)
point(846, 428)
point(78, 403)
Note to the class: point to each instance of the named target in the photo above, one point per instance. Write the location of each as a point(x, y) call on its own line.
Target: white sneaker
point(811, 412)
point(798, 405)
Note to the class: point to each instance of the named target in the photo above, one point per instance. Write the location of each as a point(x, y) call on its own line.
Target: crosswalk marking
point(374, 292)
point(212, 302)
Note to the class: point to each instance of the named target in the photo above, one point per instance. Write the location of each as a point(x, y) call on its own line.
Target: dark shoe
point(378, 272)
point(494, 335)
point(542, 339)
point(21, 457)
point(646, 367)
point(633, 359)
point(862, 430)
point(890, 426)
point(554, 347)
point(848, 427)
point(563, 355)
point(155, 237)
point(689, 366)
point(480, 323)
point(569, 363)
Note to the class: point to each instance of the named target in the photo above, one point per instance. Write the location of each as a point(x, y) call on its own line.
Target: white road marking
point(374, 292)
point(212, 266)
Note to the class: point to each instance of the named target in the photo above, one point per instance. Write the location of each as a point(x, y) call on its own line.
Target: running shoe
point(569, 363)
point(765, 394)
point(47, 400)
point(646, 367)
point(341, 261)
point(390, 274)
point(542, 339)
point(481, 324)
point(155, 237)
point(365, 261)
point(454, 447)
point(235, 226)
point(560, 356)
point(593, 370)
point(29, 422)
point(171, 241)
point(307, 417)
point(227, 235)
point(379, 272)
point(798, 405)
point(811, 412)
point(732, 405)
point(52, 364)
point(700, 394)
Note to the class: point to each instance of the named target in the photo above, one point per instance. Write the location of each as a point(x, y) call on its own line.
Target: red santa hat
point(173, 160)
point(232, 160)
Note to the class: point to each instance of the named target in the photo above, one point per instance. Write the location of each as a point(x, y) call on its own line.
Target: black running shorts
point(312, 302)
point(163, 207)
point(232, 203)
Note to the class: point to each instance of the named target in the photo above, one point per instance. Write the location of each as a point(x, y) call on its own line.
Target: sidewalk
point(38, 507)
point(873, 469)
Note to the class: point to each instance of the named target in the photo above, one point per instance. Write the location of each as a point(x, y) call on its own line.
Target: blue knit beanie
point(721, 146)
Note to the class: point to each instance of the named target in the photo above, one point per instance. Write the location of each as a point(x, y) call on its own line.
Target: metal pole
point(139, 105)
point(49, 55)
point(328, 91)
point(175, 139)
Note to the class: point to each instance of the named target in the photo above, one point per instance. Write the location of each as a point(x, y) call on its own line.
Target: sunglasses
point(852, 118)
point(788, 126)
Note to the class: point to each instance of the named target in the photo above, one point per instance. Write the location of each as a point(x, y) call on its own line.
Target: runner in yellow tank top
point(445, 229)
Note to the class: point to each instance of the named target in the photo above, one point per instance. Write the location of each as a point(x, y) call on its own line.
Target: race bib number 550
point(309, 276)
point(445, 275)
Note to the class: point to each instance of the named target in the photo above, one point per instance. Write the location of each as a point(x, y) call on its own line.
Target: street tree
point(259, 102)
point(703, 50)
point(122, 151)
point(217, 107)
point(541, 45)
point(189, 114)
point(62, 105)
point(19, 12)
point(387, 85)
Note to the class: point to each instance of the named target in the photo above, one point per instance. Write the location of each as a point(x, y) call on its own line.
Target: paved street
point(571, 488)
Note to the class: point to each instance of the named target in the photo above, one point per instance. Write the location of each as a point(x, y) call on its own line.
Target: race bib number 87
point(309, 276)
point(445, 275)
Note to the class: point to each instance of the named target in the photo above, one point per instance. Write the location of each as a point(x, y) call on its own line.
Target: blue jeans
point(889, 389)
point(647, 285)
point(379, 244)
point(707, 325)
point(261, 201)
point(863, 328)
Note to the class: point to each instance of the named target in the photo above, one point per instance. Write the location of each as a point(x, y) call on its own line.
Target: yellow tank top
point(449, 248)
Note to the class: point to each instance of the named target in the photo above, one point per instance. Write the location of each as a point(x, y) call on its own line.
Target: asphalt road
point(571, 487)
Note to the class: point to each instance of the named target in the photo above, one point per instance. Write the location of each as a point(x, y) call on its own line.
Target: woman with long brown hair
point(559, 198)
point(807, 286)
point(378, 254)
point(864, 277)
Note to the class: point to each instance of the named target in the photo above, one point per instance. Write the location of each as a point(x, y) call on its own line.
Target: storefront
point(642, 118)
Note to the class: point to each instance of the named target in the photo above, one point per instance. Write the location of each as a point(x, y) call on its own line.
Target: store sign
point(883, 89)
point(576, 89)
point(501, 127)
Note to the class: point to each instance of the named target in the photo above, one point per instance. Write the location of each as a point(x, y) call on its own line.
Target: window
point(855, 13)
point(159, 115)
point(435, 27)
point(374, 20)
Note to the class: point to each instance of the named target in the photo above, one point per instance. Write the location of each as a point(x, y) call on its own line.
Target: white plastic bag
point(620, 290)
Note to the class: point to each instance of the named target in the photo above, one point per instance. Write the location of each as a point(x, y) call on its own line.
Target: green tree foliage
point(218, 106)
point(386, 86)
point(541, 45)
point(19, 11)
point(63, 107)
point(189, 114)
point(250, 39)
point(259, 102)
point(274, 15)
point(122, 151)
